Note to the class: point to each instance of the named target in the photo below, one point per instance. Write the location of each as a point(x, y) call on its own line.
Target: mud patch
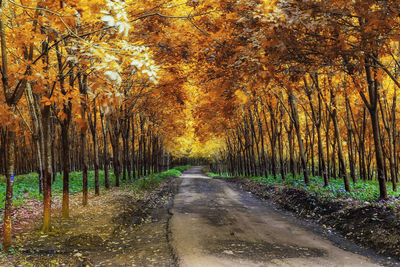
point(261, 251)
point(219, 218)
point(84, 240)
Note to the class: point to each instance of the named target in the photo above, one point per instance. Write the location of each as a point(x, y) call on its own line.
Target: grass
point(361, 190)
point(182, 168)
point(155, 179)
point(26, 186)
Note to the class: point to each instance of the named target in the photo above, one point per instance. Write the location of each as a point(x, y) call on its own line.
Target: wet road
point(214, 224)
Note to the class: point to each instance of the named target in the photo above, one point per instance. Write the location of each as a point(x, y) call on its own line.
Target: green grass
point(26, 186)
point(362, 190)
point(154, 180)
point(222, 175)
point(182, 168)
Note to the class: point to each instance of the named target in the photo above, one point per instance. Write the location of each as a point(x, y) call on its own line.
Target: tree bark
point(296, 123)
point(47, 170)
point(93, 130)
point(66, 169)
point(339, 143)
point(82, 79)
point(373, 92)
point(105, 150)
point(10, 164)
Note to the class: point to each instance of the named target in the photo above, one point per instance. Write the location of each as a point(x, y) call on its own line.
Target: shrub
point(172, 173)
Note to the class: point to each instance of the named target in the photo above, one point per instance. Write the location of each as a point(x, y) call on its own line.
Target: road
point(216, 224)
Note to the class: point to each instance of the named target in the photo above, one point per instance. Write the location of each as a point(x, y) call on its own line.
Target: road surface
point(215, 224)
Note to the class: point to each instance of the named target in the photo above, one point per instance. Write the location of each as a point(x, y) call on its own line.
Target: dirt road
point(214, 224)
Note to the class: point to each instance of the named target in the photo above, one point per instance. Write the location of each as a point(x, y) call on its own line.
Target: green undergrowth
point(361, 190)
point(26, 186)
point(182, 168)
point(154, 180)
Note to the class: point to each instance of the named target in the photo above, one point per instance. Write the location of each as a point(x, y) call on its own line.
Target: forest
point(100, 94)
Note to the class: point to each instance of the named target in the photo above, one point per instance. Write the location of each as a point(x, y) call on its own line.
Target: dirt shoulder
point(114, 229)
point(371, 226)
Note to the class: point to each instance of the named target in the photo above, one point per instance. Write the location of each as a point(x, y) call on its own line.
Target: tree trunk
point(10, 165)
point(352, 162)
point(339, 143)
point(47, 170)
point(82, 79)
point(296, 122)
point(105, 151)
point(66, 168)
point(93, 130)
point(378, 154)
point(291, 149)
point(133, 157)
point(322, 169)
point(280, 147)
point(373, 92)
point(114, 137)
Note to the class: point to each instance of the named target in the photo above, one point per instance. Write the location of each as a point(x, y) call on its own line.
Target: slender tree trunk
point(291, 149)
point(333, 158)
point(393, 145)
point(83, 131)
point(10, 166)
point(133, 157)
point(256, 142)
point(53, 153)
point(362, 145)
point(372, 107)
point(327, 141)
point(114, 137)
point(322, 169)
point(312, 140)
point(261, 135)
point(96, 166)
point(280, 147)
point(350, 149)
point(124, 159)
point(105, 151)
point(66, 169)
point(378, 154)
point(84, 170)
point(47, 170)
point(339, 143)
point(296, 122)
point(93, 129)
point(388, 123)
point(36, 133)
